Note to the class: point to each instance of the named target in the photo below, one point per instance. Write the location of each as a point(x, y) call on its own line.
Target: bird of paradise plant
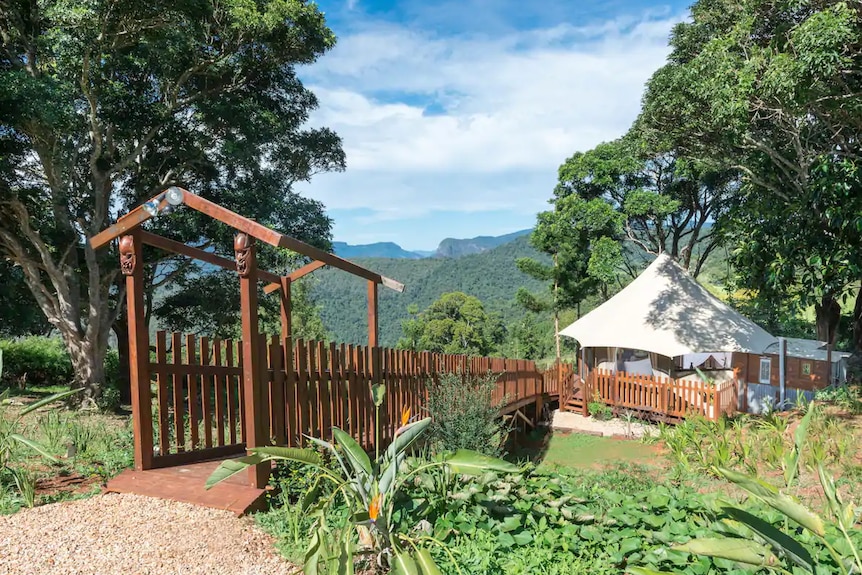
point(369, 489)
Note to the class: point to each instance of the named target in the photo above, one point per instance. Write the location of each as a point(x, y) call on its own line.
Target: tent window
point(765, 369)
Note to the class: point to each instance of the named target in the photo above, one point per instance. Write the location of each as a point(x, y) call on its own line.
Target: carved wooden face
point(127, 255)
point(242, 248)
point(241, 242)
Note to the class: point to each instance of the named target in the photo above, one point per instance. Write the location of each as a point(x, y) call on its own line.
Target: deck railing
point(662, 397)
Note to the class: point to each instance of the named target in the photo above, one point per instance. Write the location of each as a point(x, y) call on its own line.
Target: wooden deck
point(186, 483)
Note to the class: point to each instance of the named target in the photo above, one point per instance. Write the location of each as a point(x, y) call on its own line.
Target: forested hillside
point(491, 276)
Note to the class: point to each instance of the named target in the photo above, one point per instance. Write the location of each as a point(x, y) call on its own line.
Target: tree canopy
point(456, 323)
point(104, 104)
point(771, 89)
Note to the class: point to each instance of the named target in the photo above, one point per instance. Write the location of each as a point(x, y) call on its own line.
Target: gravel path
point(570, 421)
point(134, 535)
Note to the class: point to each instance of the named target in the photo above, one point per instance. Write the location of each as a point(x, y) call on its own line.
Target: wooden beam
point(132, 266)
point(124, 225)
point(372, 314)
point(286, 328)
point(293, 276)
point(255, 406)
point(278, 240)
point(185, 250)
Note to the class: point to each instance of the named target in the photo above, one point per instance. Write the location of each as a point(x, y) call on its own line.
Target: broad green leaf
point(35, 446)
point(378, 394)
point(403, 564)
point(230, 467)
point(791, 466)
point(835, 503)
point(474, 463)
point(306, 456)
point(50, 399)
point(409, 434)
point(777, 500)
point(801, 433)
point(779, 540)
point(355, 454)
point(313, 553)
point(741, 550)
point(345, 556)
point(427, 566)
point(387, 478)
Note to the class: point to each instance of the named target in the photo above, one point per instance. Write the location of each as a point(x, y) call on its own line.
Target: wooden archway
point(131, 241)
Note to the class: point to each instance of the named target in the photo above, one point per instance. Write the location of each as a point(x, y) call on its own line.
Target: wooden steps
point(186, 483)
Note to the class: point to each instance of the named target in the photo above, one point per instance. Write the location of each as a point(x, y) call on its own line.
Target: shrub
point(35, 361)
point(463, 415)
point(599, 410)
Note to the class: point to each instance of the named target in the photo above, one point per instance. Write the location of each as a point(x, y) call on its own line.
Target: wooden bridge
point(200, 415)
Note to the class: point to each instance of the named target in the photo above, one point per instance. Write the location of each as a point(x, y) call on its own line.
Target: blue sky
point(455, 115)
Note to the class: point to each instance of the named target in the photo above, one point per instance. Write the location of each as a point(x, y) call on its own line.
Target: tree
point(412, 330)
point(580, 235)
point(772, 88)
point(456, 323)
point(668, 201)
point(19, 312)
point(104, 104)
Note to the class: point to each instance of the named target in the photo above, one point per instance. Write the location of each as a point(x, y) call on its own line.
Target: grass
point(582, 451)
point(91, 447)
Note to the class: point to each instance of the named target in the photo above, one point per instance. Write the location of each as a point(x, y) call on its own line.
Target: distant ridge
point(449, 248)
point(377, 250)
point(455, 248)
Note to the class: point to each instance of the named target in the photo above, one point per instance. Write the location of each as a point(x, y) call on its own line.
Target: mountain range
point(448, 248)
point(485, 271)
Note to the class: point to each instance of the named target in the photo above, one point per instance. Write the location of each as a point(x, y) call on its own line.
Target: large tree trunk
point(827, 316)
point(88, 361)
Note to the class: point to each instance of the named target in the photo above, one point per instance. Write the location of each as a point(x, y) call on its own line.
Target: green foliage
point(847, 397)
point(667, 201)
point(457, 324)
point(490, 276)
point(770, 89)
point(35, 361)
point(833, 543)
point(19, 310)
point(371, 493)
point(105, 105)
point(600, 410)
point(569, 234)
point(463, 415)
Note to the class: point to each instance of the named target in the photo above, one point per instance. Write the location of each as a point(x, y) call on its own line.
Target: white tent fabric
point(665, 311)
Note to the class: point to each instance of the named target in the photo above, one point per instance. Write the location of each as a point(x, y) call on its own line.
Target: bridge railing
point(305, 388)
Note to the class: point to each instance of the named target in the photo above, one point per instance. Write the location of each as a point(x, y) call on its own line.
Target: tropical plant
point(464, 416)
point(757, 542)
point(370, 491)
point(10, 436)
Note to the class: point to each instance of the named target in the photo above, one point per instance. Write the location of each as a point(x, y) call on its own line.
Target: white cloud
point(477, 123)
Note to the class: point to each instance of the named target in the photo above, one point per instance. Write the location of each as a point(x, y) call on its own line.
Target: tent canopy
point(665, 311)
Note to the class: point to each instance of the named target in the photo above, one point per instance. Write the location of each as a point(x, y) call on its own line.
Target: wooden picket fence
point(662, 398)
point(198, 405)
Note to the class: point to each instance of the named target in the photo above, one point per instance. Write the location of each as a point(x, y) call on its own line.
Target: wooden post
point(372, 314)
point(286, 328)
point(132, 266)
point(252, 388)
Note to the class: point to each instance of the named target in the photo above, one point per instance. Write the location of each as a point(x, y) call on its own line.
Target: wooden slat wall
point(312, 386)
